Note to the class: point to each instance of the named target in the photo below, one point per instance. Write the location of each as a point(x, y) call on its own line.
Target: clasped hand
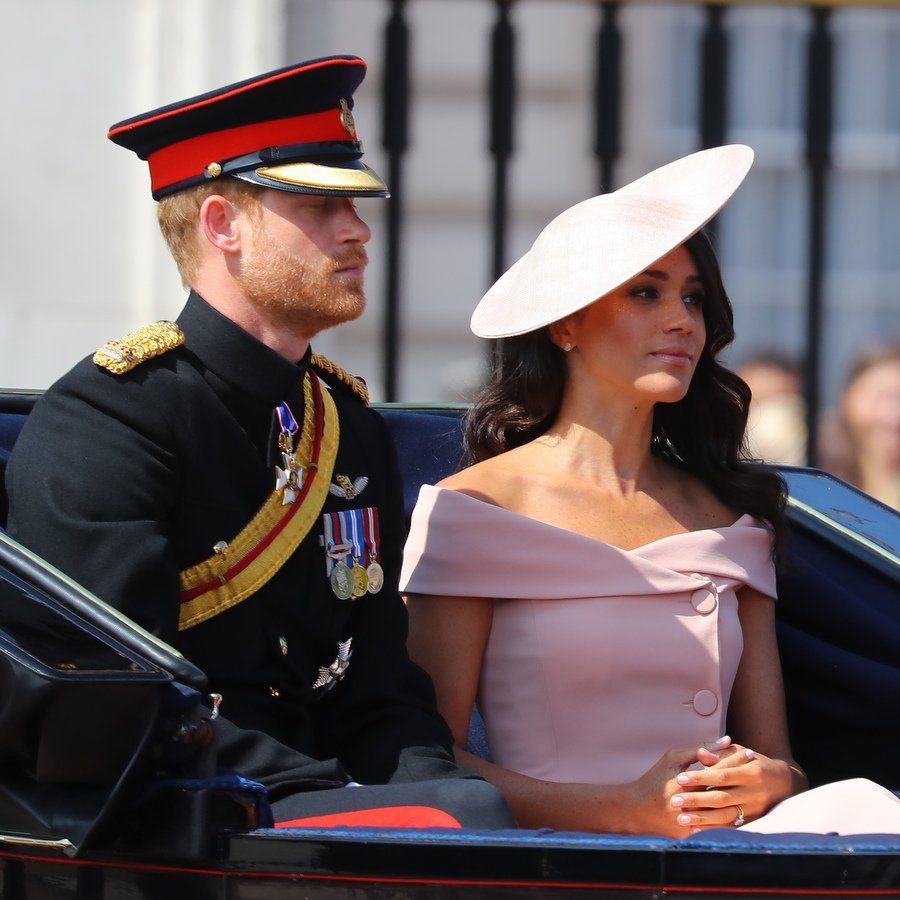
point(736, 784)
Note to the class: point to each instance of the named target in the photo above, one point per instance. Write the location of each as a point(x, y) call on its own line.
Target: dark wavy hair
point(703, 433)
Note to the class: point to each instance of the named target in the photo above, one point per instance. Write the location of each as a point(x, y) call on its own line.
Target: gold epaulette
point(357, 385)
point(126, 353)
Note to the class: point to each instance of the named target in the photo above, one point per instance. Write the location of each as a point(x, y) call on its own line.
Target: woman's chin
point(663, 388)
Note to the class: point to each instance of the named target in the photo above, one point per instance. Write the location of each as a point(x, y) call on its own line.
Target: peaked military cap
point(291, 129)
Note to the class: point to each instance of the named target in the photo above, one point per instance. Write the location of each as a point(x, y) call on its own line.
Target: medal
point(288, 479)
point(337, 549)
point(353, 522)
point(375, 575)
point(342, 584)
point(374, 572)
point(360, 581)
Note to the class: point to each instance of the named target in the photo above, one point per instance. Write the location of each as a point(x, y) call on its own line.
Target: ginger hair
point(178, 215)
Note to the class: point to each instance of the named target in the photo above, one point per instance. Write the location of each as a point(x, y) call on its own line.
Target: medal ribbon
point(336, 546)
point(370, 525)
point(286, 419)
point(355, 531)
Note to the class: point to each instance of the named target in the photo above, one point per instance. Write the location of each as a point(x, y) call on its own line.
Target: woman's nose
point(678, 316)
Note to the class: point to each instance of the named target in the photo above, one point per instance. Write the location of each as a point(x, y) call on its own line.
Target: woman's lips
point(673, 355)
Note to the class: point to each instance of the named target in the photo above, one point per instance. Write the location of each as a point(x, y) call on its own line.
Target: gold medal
point(375, 575)
point(341, 582)
point(360, 580)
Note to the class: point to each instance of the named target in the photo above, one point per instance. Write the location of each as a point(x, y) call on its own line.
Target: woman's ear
point(562, 334)
point(219, 224)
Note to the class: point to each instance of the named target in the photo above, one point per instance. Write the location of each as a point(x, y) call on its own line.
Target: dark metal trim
point(395, 140)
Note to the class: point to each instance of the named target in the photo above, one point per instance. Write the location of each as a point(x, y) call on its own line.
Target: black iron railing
point(712, 130)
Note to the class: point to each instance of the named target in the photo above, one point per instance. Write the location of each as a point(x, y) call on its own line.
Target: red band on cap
point(189, 158)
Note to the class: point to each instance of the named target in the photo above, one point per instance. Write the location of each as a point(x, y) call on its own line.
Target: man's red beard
point(299, 296)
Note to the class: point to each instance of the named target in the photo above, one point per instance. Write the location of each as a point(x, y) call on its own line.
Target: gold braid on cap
point(357, 385)
point(124, 354)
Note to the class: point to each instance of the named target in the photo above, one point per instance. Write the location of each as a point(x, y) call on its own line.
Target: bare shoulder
point(497, 480)
point(705, 508)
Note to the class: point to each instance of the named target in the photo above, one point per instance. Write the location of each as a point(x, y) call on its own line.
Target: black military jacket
point(122, 481)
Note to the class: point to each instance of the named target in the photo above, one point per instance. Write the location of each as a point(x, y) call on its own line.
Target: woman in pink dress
point(601, 579)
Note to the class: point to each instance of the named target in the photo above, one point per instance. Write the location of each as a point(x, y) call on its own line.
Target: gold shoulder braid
point(126, 353)
point(355, 384)
point(240, 567)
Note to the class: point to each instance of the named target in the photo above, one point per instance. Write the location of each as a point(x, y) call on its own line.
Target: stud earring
point(567, 346)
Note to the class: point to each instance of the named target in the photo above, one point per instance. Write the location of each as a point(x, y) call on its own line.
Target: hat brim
point(599, 244)
point(336, 179)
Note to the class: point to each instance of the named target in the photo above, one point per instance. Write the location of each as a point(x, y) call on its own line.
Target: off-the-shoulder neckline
point(740, 522)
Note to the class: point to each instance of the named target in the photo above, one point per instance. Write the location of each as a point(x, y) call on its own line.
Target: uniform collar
point(235, 355)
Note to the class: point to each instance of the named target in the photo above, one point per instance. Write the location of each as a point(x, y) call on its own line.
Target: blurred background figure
point(862, 442)
point(776, 428)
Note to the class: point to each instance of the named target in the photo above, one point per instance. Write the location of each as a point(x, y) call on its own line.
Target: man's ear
point(220, 224)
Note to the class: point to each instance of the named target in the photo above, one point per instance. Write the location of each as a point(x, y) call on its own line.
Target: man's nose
point(352, 227)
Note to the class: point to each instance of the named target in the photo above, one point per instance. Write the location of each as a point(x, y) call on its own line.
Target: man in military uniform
point(230, 490)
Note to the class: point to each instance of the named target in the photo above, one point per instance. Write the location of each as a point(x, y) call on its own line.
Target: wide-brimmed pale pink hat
point(597, 245)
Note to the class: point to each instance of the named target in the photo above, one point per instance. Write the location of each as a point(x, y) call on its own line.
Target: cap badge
point(347, 489)
point(347, 119)
point(214, 170)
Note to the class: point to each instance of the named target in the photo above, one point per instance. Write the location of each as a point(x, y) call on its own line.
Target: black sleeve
point(91, 483)
point(382, 721)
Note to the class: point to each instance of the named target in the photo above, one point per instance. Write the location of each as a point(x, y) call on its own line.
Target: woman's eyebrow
point(664, 276)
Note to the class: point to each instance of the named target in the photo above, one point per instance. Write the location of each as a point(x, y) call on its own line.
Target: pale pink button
point(705, 703)
point(704, 601)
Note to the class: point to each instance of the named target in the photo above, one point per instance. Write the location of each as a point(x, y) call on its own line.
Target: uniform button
point(705, 703)
point(283, 645)
point(704, 601)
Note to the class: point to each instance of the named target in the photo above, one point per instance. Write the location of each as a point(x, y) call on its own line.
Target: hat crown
point(600, 243)
point(300, 113)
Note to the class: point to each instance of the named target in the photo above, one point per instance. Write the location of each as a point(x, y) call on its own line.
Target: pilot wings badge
point(346, 489)
point(329, 676)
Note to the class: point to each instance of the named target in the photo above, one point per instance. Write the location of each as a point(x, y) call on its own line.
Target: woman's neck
point(603, 439)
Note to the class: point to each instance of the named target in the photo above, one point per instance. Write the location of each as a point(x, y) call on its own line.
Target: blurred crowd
point(859, 439)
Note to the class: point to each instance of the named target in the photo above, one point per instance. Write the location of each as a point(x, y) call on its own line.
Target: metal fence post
point(395, 139)
point(608, 93)
point(819, 90)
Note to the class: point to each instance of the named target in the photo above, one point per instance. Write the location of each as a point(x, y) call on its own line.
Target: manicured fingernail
point(683, 779)
point(678, 800)
point(684, 819)
point(723, 741)
point(749, 754)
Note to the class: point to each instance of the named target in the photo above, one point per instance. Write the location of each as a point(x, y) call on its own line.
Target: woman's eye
point(694, 299)
point(648, 292)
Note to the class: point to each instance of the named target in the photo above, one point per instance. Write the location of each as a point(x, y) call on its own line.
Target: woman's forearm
point(563, 806)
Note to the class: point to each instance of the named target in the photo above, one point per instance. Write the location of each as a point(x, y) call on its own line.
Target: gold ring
point(740, 817)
